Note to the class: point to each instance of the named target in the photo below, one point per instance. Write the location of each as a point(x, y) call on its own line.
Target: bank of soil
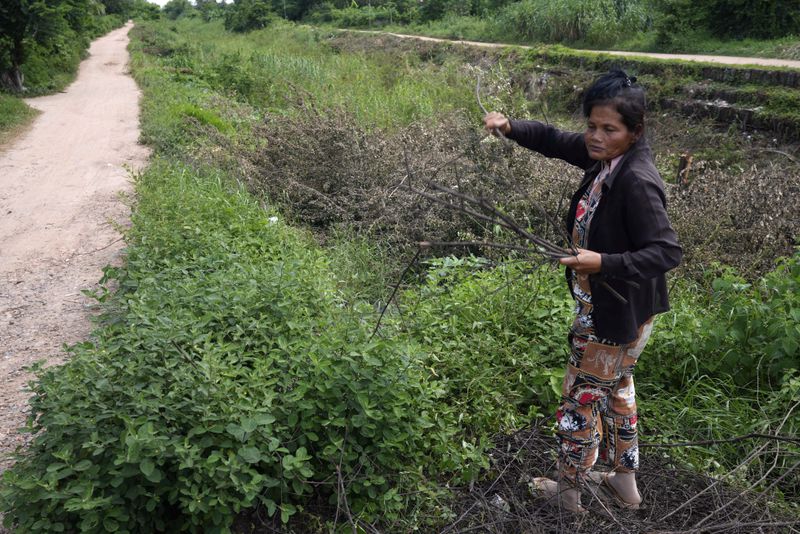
point(722, 60)
point(60, 185)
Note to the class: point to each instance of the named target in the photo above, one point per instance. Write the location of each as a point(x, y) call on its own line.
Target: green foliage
point(572, 21)
point(228, 372)
point(41, 43)
point(125, 9)
point(144, 10)
point(286, 67)
point(453, 26)
point(496, 338)
point(360, 17)
point(712, 407)
point(726, 18)
point(210, 10)
point(248, 15)
point(205, 116)
point(760, 330)
point(175, 9)
point(745, 330)
point(14, 113)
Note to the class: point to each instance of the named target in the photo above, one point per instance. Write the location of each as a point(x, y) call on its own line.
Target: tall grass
point(284, 67)
point(14, 115)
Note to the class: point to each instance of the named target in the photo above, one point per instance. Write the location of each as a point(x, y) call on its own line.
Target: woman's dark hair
point(619, 90)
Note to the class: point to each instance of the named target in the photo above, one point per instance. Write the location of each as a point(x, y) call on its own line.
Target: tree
point(176, 8)
point(44, 22)
point(726, 19)
point(210, 9)
point(145, 10)
point(247, 15)
point(118, 7)
point(293, 9)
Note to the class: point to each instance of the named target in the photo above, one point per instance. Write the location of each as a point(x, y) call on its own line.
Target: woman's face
point(606, 135)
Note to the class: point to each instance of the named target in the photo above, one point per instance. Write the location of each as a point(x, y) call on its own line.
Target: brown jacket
point(630, 229)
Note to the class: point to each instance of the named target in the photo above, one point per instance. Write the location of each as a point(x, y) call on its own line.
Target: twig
point(185, 356)
point(456, 207)
point(463, 516)
point(745, 492)
point(546, 248)
point(99, 249)
point(342, 497)
point(744, 462)
point(732, 525)
point(782, 153)
point(752, 435)
point(508, 221)
point(394, 291)
point(477, 244)
point(497, 131)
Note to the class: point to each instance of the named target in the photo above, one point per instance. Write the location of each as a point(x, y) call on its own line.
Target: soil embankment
point(60, 187)
point(723, 60)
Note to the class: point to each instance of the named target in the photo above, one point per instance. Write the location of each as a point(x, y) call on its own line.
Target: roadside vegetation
point(248, 370)
point(42, 44)
point(770, 28)
point(14, 116)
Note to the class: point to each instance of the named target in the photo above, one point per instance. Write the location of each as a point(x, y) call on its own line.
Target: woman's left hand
point(586, 262)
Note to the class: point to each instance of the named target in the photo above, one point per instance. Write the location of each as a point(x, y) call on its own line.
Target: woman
point(625, 244)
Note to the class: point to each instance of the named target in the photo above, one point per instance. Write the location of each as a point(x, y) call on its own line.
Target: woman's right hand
point(496, 122)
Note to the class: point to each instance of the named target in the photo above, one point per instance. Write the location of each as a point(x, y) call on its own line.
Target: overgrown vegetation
point(42, 43)
point(14, 115)
point(673, 25)
point(237, 370)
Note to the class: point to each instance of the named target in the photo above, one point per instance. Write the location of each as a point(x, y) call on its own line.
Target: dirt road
point(725, 60)
point(59, 193)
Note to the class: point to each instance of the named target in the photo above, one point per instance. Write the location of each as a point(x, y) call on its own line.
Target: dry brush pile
point(329, 173)
point(675, 499)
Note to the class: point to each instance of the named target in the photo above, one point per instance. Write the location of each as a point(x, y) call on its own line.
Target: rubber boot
point(623, 485)
point(569, 497)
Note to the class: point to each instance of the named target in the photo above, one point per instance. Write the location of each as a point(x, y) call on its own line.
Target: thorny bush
point(743, 219)
point(328, 173)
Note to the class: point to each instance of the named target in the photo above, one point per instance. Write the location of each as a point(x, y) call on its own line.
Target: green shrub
point(248, 15)
point(467, 27)
point(747, 331)
point(228, 372)
point(759, 333)
point(177, 8)
point(496, 338)
point(354, 17)
point(13, 114)
point(726, 18)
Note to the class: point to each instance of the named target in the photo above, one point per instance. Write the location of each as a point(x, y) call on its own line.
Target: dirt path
point(725, 60)
point(59, 192)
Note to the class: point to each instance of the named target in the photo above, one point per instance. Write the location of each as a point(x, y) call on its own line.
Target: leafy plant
point(496, 338)
point(248, 15)
point(227, 373)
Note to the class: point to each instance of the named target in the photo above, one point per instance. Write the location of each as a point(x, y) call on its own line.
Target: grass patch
point(284, 67)
point(492, 30)
point(15, 116)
